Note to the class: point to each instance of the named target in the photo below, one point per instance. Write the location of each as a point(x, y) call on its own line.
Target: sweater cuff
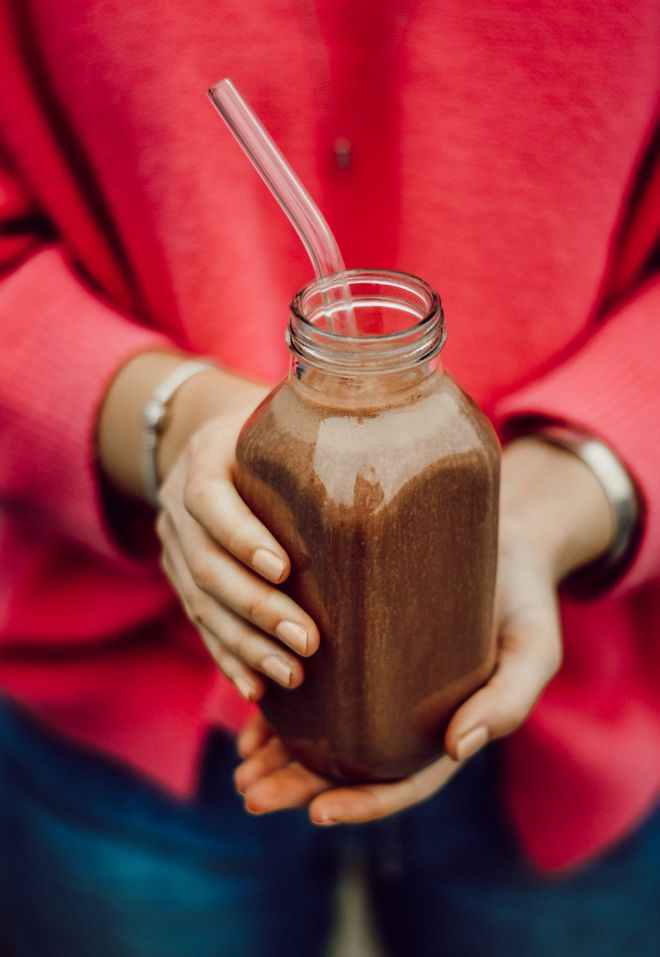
point(62, 348)
point(609, 389)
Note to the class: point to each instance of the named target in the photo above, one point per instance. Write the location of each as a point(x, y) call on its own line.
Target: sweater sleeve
point(61, 347)
point(610, 387)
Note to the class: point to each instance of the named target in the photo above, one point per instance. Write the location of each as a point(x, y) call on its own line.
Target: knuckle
point(201, 571)
point(518, 714)
point(186, 600)
point(195, 494)
point(161, 525)
point(190, 598)
point(186, 607)
point(195, 613)
point(164, 497)
point(164, 566)
point(237, 537)
point(244, 648)
point(257, 606)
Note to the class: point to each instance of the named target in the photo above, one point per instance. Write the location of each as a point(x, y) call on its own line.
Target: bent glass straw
point(304, 214)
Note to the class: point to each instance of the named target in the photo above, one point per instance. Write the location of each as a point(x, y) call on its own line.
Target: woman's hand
point(221, 561)
point(271, 780)
point(554, 518)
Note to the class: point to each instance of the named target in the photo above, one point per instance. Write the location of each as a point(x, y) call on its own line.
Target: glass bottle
point(379, 476)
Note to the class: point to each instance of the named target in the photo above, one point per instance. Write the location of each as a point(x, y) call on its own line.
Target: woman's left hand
point(554, 518)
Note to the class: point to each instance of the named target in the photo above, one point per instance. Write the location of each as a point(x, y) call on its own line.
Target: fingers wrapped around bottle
point(225, 565)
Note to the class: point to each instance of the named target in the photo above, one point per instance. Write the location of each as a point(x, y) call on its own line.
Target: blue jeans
point(94, 862)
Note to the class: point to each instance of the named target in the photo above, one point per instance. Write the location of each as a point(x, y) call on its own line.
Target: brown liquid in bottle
point(385, 497)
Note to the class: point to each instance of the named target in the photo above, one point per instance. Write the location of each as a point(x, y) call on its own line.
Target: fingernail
point(244, 687)
point(471, 742)
point(252, 810)
point(279, 669)
point(268, 564)
point(293, 634)
point(324, 820)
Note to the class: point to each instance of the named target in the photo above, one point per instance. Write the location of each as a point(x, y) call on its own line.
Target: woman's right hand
point(222, 562)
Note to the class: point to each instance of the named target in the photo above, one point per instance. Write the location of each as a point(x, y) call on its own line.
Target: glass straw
point(302, 211)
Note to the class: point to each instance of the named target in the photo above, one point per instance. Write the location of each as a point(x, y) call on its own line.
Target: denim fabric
point(455, 885)
point(94, 862)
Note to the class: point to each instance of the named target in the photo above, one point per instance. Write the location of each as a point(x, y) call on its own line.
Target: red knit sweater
point(502, 150)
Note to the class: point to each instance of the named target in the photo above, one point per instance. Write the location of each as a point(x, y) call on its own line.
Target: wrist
point(622, 498)
point(553, 501)
point(120, 430)
point(209, 395)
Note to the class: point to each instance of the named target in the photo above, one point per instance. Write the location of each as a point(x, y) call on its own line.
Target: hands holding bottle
point(554, 517)
point(225, 565)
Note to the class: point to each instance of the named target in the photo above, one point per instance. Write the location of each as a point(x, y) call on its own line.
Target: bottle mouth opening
point(364, 321)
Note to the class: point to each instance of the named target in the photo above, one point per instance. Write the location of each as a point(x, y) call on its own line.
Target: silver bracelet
point(153, 420)
point(618, 487)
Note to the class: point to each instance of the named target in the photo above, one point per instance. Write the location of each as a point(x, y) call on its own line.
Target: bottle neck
point(365, 331)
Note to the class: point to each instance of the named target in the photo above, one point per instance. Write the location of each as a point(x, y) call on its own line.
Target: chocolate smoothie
point(384, 493)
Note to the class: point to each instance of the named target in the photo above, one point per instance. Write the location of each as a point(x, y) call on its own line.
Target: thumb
point(529, 656)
